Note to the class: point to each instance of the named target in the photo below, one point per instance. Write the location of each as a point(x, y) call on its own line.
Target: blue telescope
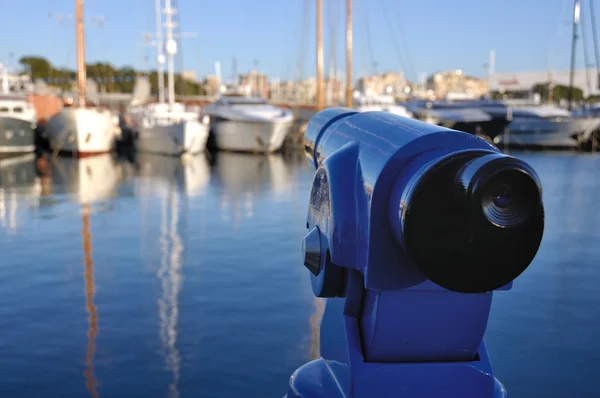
point(411, 228)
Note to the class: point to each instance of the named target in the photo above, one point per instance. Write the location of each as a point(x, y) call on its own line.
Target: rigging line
point(394, 40)
point(287, 62)
point(364, 48)
point(368, 41)
point(331, 26)
point(411, 68)
point(585, 53)
point(554, 30)
point(305, 19)
point(595, 40)
point(150, 27)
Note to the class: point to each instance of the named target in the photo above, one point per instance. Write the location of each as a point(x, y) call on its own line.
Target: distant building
point(257, 82)
point(456, 85)
point(387, 83)
point(189, 75)
point(521, 83)
point(211, 85)
point(334, 91)
point(299, 92)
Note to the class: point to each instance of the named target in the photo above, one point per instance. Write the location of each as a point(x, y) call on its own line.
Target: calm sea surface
point(164, 279)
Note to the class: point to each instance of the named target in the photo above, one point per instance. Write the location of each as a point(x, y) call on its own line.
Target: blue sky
point(432, 35)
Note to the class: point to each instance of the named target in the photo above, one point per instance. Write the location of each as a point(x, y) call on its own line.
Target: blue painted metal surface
point(388, 329)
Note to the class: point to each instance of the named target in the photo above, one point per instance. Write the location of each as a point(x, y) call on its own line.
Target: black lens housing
point(474, 221)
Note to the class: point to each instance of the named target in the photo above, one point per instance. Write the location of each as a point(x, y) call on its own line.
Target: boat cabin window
point(3, 109)
point(18, 109)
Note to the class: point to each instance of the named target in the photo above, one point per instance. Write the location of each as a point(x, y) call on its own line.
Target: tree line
point(107, 77)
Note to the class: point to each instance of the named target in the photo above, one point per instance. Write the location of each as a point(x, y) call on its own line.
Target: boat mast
point(160, 57)
point(595, 39)
point(576, 11)
point(320, 98)
point(349, 53)
point(171, 50)
point(81, 77)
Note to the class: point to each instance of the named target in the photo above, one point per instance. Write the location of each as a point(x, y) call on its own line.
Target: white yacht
point(369, 102)
point(17, 122)
point(242, 123)
point(169, 129)
point(79, 130)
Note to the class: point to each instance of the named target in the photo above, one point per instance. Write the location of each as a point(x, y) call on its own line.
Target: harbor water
point(163, 278)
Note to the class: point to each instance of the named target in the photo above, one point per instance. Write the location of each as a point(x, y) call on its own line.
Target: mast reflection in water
point(90, 378)
point(170, 276)
point(173, 182)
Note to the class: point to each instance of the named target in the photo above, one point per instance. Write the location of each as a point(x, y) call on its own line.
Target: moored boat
point(81, 130)
point(241, 123)
point(17, 124)
point(17, 121)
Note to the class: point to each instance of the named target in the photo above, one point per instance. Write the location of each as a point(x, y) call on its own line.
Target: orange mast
point(81, 77)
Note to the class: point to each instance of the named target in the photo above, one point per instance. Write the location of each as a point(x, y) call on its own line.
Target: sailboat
point(168, 128)
point(77, 129)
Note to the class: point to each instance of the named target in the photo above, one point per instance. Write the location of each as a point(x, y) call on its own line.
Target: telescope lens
point(509, 198)
point(474, 221)
point(502, 196)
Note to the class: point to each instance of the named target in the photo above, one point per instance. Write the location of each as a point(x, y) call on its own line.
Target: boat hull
point(17, 137)
point(188, 136)
point(548, 133)
point(249, 136)
point(82, 131)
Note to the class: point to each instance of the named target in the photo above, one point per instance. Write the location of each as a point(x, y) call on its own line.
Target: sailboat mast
point(320, 97)
point(171, 49)
point(595, 40)
point(160, 57)
point(81, 77)
point(349, 53)
point(576, 11)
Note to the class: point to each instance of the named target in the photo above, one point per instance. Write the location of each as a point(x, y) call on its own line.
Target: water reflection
point(190, 174)
point(17, 177)
point(89, 179)
point(315, 328)
point(90, 378)
point(243, 177)
point(170, 276)
point(171, 181)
